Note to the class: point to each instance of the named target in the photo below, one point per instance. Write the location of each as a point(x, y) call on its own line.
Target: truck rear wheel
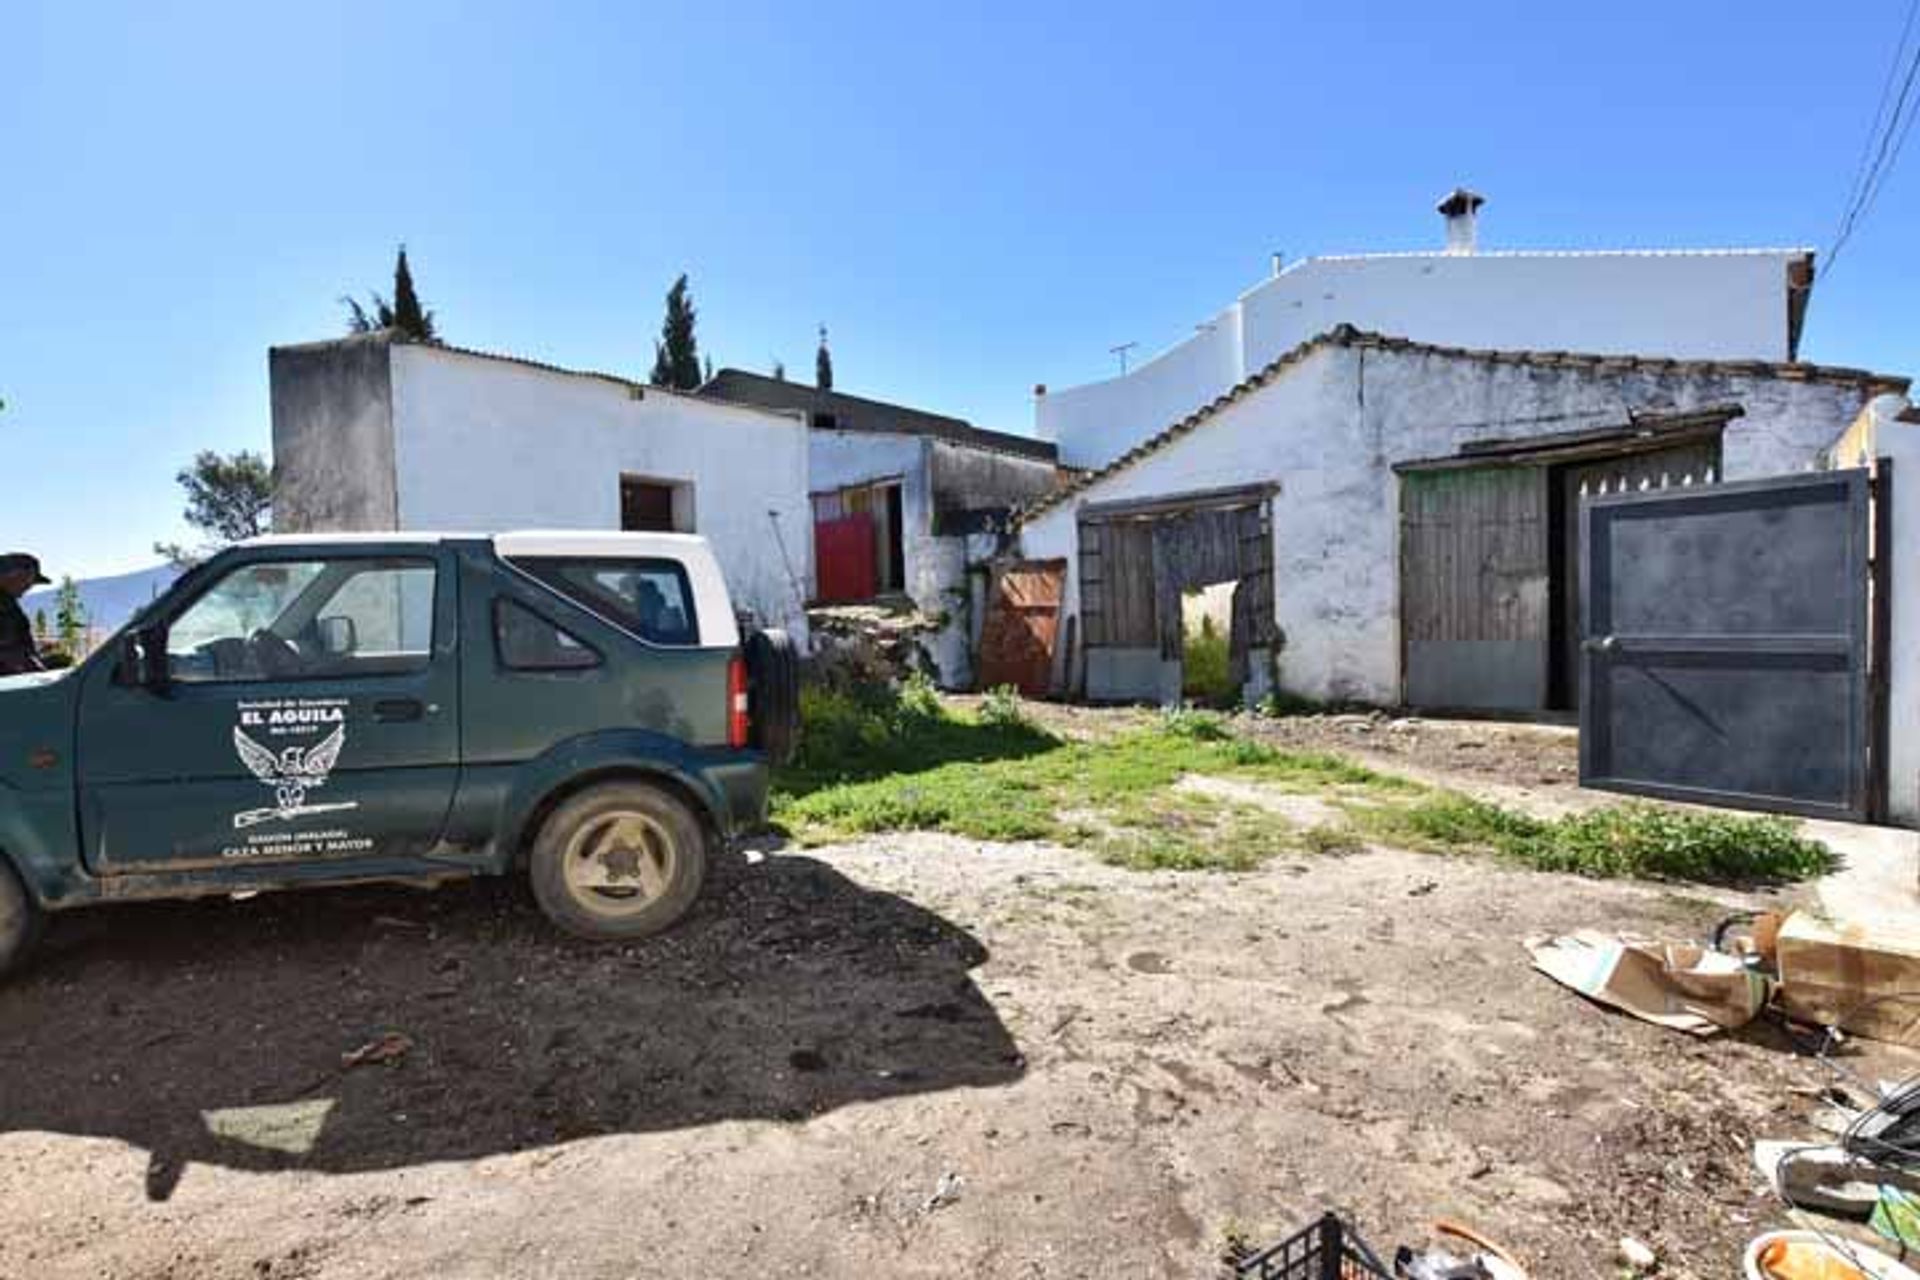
point(20, 919)
point(619, 860)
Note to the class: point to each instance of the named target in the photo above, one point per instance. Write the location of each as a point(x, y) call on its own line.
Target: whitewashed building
point(908, 506)
point(1721, 304)
point(373, 432)
point(1395, 514)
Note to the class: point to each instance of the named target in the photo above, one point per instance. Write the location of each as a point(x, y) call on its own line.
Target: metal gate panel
point(1725, 644)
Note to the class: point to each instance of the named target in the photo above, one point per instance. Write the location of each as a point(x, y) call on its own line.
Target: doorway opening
point(1206, 645)
point(648, 505)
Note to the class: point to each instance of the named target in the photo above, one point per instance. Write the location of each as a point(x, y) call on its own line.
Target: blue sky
point(974, 198)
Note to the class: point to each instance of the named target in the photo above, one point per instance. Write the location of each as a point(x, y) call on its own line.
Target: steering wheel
point(274, 654)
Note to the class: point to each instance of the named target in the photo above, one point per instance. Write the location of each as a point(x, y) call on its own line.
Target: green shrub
point(919, 696)
point(1204, 664)
point(1000, 708)
point(1191, 722)
point(1279, 704)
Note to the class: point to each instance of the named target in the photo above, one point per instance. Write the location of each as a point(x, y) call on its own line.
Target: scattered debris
point(945, 1192)
point(1637, 1255)
point(1862, 979)
point(1816, 1255)
point(1897, 1217)
point(1327, 1247)
point(1822, 1178)
point(389, 1047)
point(1678, 985)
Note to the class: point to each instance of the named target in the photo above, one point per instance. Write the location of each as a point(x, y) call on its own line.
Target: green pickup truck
point(408, 708)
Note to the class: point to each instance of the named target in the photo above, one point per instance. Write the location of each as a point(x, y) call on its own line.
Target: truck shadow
point(218, 1032)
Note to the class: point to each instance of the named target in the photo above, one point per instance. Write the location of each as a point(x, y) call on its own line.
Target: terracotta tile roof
point(1347, 336)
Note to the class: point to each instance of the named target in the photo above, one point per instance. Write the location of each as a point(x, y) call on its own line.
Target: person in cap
point(19, 574)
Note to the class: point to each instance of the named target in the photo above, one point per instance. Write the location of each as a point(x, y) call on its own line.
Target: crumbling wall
point(333, 436)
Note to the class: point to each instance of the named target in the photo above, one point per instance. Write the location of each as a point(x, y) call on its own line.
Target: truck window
point(651, 598)
point(307, 619)
point(525, 641)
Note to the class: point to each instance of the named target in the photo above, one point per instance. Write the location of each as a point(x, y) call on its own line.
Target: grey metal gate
point(1725, 644)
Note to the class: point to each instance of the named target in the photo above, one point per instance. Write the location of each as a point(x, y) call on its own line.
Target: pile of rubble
point(858, 645)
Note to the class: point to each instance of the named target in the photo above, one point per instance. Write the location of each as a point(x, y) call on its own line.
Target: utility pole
point(1121, 351)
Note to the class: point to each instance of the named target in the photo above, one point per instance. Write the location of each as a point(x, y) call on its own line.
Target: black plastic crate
point(1327, 1250)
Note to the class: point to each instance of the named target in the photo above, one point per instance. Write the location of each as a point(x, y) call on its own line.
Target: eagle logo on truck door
point(292, 773)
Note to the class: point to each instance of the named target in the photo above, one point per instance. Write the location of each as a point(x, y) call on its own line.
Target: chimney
point(1459, 209)
point(1279, 263)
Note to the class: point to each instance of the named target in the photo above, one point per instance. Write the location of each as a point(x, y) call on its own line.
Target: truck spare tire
point(773, 693)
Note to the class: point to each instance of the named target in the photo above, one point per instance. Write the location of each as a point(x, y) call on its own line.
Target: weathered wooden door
point(1018, 635)
point(1474, 578)
point(1726, 645)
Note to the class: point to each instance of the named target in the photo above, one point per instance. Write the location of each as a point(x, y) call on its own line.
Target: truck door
point(309, 715)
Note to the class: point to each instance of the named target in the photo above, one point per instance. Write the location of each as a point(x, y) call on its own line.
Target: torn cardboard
point(1670, 984)
point(1860, 978)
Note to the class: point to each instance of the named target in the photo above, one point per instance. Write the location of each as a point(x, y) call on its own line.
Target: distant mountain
point(108, 601)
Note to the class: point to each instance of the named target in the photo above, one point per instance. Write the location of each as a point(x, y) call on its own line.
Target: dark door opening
point(646, 506)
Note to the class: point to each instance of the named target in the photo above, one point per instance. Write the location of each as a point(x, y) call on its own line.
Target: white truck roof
point(713, 607)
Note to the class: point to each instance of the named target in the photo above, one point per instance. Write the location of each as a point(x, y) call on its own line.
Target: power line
point(1880, 108)
point(1890, 128)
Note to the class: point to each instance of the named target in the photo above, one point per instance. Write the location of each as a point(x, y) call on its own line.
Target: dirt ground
point(908, 1056)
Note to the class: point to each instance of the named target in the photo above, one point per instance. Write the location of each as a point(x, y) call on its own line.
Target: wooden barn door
point(1474, 576)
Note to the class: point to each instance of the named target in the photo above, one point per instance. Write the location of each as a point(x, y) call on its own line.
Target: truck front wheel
point(20, 919)
point(619, 860)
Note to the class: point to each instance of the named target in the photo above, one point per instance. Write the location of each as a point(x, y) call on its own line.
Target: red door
point(843, 558)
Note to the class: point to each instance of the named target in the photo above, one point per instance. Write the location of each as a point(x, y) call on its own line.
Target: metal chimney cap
point(1460, 201)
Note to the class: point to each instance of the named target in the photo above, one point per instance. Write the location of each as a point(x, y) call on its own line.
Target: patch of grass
point(1442, 821)
point(1184, 721)
point(901, 761)
point(884, 733)
point(1175, 832)
point(964, 799)
point(1639, 840)
point(1672, 844)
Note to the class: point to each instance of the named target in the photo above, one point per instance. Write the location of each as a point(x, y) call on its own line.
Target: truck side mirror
point(339, 637)
point(143, 658)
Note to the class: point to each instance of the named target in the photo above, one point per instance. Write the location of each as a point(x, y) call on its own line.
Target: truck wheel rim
point(619, 863)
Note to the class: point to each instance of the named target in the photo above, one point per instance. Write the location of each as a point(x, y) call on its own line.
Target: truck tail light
point(739, 725)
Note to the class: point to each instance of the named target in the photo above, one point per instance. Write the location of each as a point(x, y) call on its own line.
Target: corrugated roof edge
point(1347, 336)
point(394, 337)
point(942, 426)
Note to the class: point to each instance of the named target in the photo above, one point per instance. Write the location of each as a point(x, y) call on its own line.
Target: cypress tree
point(676, 356)
point(823, 364)
point(409, 317)
point(404, 313)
